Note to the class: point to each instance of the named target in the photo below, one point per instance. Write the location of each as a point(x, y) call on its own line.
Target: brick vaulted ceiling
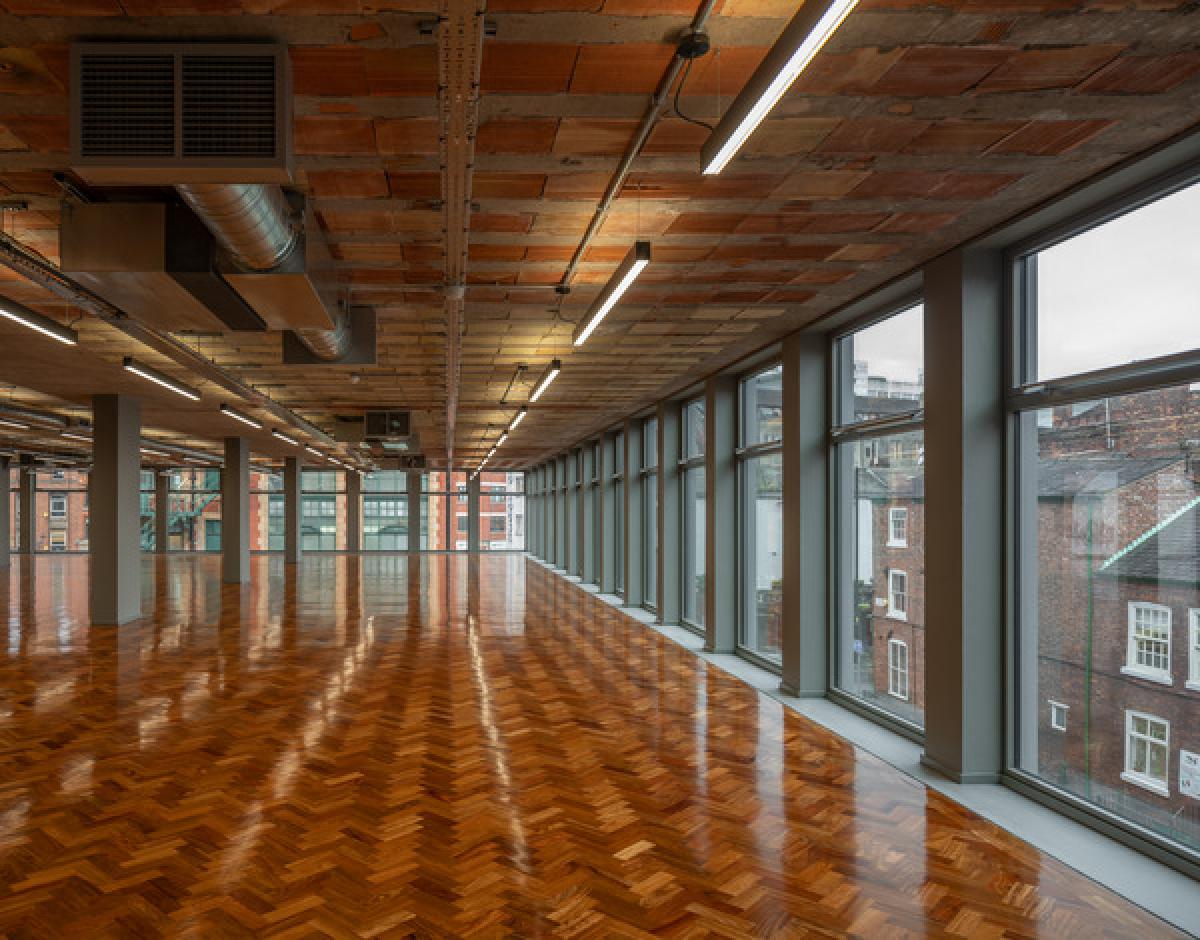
point(920, 124)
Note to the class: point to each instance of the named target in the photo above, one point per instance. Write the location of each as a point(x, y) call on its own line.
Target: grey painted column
point(353, 511)
point(5, 511)
point(235, 512)
point(635, 588)
point(162, 511)
point(670, 522)
point(114, 510)
point(805, 509)
point(606, 513)
point(293, 539)
point(413, 482)
point(26, 506)
point(964, 516)
point(473, 520)
point(720, 515)
point(587, 517)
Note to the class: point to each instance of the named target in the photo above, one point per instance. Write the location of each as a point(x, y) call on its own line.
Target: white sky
point(893, 348)
point(1125, 291)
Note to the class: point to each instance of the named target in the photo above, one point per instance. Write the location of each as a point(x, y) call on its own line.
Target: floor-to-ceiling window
point(692, 494)
point(14, 507)
point(879, 516)
point(266, 511)
point(649, 483)
point(385, 511)
point(619, 513)
point(595, 504)
point(1105, 406)
point(502, 506)
point(440, 511)
point(61, 509)
point(323, 510)
point(194, 513)
point(146, 502)
point(760, 514)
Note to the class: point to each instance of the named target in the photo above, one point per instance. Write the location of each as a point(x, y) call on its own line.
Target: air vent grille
point(127, 105)
point(229, 106)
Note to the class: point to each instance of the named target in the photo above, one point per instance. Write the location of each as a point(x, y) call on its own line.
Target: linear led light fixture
point(4, 422)
point(151, 452)
point(518, 419)
point(158, 378)
point(312, 450)
point(238, 416)
point(548, 376)
point(71, 436)
point(283, 437)
point(503, 438)
point(626, 274)
point(796, 47)
point(33, 320)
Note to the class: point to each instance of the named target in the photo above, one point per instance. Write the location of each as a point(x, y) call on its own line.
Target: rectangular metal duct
point(157, 113)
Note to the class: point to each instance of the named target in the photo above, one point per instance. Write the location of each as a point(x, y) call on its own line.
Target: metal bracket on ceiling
point(429, 27)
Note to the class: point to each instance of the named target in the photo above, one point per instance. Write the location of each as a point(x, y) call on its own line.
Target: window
point(505, 507)
point(323, 510)
point(1149, 642)
point(1058, 715)
point(692, 491)
point(898, 669)
point(1106, 529)
point(760, 514)
point(385, 511)
point(1147, 754)
point(897, 595)
point(194, 511)
point(58, 507)
point(1193, 681)
point(58, 541)
point(619, 497)
point(878, 501)
point(650, 512)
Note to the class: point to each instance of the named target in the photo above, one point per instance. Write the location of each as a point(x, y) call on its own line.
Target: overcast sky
point(893, 348)
point(1125, 291)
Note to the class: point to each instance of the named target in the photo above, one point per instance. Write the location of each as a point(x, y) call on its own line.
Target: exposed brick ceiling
point(921, 124)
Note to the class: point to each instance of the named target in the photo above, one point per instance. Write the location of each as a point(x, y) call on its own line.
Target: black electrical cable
point(679, 90)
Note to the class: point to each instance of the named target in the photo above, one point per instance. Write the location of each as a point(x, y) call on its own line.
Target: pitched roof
point(1167, 551)
point(1073, 476)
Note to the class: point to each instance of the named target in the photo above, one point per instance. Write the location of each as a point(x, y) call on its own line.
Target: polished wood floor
point(445, 747)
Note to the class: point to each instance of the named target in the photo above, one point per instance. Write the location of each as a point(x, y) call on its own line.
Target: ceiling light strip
point(31, 319)
point(159, 378)
point(238, 416)
point(548, 376)
point(632, 265)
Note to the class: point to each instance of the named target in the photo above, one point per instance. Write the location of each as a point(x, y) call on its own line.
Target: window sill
point(892, 615)
point(1193, 685)
point(896, 695)
point(1159, 789)
point(897, 545)
point(1156, 677)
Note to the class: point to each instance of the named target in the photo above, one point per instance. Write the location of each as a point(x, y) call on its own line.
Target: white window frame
point(1140, 778)
point(1058, 715)
point(58, 540)
point(895, 672)
point(1193, 680)
point(60, 500)
point(1132, 667)
point(897, 514)
point(893, 612)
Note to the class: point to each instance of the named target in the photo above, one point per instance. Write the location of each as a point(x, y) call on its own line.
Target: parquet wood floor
point(445, 747)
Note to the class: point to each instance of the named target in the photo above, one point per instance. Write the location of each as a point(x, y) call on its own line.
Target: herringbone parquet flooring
point(444, 747)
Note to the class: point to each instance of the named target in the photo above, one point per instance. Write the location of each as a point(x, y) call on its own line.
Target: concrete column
point(293, 539)
point(5, 512)
point(235, 512)
point(720, 514)
point(162, 511)
point(353, 511)
point(114, 512)
point(413, 479)
point(587, 518)
point(606, 513)
point(805, 507)
point(635, 589)
point(473, 520)
point(670, 522)
point(26, 506)
point(964, 516)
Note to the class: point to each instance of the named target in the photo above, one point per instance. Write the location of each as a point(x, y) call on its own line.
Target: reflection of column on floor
point(114, 515)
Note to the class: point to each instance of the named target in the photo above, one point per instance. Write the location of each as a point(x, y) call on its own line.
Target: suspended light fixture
point(503, 438)
point(33, 320)
point(518, 419)
point(548, 376)
point(4, 422)
point(312, 450)
point(151, 452)
point(238, 416)
point(283, 437)
point(72, 436)
point(626, 274)
point(158, 378)
point(796, 47)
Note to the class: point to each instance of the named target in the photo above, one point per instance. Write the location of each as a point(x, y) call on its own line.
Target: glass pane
point(650, 537)
point(762, 407)
point(619, 536)
point(1123, 291)
point(61, 511)
point(501, 511)
point(266, 520)
point(147, 520)
point(882, 579)
point(882, 368)
point(385, 522)
point(693, 429)
point(761, 587)
point(385, 481)
point(650, 443)
point(693, 545)
point(1110, 573)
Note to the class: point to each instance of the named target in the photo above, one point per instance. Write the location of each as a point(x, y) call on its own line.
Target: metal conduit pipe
point(252, 222)
point(649, 122)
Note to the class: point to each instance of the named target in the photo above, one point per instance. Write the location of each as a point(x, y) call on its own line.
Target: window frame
point(893, 611)
point(1131, 666)
point(648, 480)
point(897, 513)
point(1193, 678)
point(895, 646)
point(1057, 708)
point(688, 463)
point(1140, 778)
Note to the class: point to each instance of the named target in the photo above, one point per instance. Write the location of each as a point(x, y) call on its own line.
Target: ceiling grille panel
point(229, 106)
point(127, 105)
